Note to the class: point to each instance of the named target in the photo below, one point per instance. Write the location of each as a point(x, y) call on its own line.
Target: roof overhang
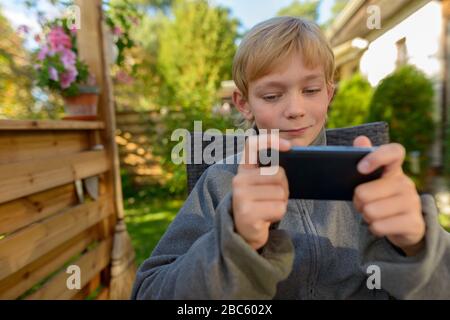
point(351, 23)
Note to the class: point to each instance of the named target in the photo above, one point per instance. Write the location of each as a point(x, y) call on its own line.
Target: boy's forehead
point(308, 70)
point(278, 76)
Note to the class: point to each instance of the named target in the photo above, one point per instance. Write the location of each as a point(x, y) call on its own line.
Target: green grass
point(146, 223)
point(445, 221)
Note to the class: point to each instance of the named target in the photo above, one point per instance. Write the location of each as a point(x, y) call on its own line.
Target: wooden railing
point(44, 227)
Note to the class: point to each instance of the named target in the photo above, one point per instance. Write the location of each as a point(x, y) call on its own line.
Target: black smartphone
point(324, 172)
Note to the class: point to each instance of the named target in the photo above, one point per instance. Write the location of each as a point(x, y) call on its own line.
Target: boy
point(221, 246)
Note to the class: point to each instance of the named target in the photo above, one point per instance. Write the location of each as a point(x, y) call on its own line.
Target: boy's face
point(293, 99)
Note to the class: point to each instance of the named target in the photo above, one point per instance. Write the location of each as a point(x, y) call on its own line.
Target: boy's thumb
point(362, 141)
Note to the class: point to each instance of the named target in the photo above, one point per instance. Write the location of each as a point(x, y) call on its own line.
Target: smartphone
point(325, 172)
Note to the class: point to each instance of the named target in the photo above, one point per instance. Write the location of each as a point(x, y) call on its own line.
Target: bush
point(350, 106)
point(447, 152)
point(405, 100)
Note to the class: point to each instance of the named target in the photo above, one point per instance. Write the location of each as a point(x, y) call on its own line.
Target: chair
point(377, 132)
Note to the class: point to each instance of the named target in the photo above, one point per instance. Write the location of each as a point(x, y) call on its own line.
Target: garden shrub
point(404, 99)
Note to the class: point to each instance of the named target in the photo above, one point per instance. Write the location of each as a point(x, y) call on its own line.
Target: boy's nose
point(294, 107)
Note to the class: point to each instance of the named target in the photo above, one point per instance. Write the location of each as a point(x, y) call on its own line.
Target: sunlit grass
point(444, 220)
point(147, 222)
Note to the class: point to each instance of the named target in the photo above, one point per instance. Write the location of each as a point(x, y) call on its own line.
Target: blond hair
point(269, 43)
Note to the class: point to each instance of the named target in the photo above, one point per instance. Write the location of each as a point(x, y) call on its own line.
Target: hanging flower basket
point(82, 106)
point(60, 70)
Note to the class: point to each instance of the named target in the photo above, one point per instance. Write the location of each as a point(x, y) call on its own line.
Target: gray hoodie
point(321, 250)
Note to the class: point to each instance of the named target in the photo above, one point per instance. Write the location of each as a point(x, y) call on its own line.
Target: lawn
point(146, 223)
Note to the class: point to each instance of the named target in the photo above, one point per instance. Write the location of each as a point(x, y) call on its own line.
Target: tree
point(350, 106)
point(336, 9)
point(404, 99)
point(16, 100)
point(306, 9)
point(195, 54)
point(338, 6)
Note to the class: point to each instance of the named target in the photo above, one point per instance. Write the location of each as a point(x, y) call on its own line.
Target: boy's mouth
point(296, 132)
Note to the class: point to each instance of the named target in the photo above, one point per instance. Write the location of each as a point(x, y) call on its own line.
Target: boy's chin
point(299, 141)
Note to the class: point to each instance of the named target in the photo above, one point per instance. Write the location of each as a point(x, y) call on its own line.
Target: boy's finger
point(253, 176)
point(385, 208)
point(267, 192)
point(378, 189)
point(270, 211)
point(254, 144)
point(398, 225)
point(390, 156)
point(362, 142)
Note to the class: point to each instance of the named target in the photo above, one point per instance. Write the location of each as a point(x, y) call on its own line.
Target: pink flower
point(37, 38)
point(117, 31)
point(68, 77)
point(23, 29)
point(44, 52)
point(73, 30)
point(124, 77)
point(68, 58)
point(53, 74)
point(58, 39)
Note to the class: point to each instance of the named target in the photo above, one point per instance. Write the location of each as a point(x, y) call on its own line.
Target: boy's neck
point(321, 139)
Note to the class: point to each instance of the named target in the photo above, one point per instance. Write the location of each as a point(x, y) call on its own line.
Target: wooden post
point(91, 47)
point(445, 125)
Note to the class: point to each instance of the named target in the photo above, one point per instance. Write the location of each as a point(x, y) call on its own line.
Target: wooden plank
point(26, 245)
point(22, 280)
point(50, 125)
point(90, 287)
point(90, 265)
point(82, 293)
point(103, 295)
point(27, 145)
point(28, 177)
point(19, 213)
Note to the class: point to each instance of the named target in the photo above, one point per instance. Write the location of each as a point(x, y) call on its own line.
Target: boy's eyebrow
point(280, 84)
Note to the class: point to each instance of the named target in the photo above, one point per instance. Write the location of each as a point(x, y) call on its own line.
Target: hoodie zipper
point(309, 226)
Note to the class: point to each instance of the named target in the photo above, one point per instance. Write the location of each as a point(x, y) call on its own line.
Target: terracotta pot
point(82, 106)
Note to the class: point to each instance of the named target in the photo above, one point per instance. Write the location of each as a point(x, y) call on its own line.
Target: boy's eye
point(271, 97)
point(312, 91)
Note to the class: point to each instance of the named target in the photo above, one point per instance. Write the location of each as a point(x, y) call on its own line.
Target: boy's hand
point(258, 200)
point(390, 205)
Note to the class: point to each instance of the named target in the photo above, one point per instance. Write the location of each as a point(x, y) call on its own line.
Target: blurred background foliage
point(404, 100)
point(350, 105)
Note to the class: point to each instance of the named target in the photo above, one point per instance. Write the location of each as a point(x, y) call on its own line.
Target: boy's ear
point(330, 91)
point(242, 105)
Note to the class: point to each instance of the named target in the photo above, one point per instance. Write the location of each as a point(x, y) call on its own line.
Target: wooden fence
point(44, 225)
point(133, 137)
point(48, 220)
